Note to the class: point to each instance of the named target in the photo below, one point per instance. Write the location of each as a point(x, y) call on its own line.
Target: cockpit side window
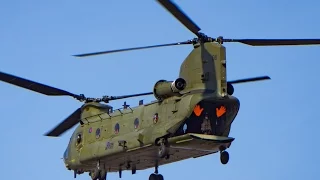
point(78, 138)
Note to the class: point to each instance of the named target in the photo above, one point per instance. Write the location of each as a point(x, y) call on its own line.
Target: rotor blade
point(275, 42)
point(130, 49)
point(180, 15)
point(249, 79)
point(65, 125)
point(128, 96)
point(34, 86)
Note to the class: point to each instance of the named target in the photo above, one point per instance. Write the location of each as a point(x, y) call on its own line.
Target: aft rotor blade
point(129, 96)
point(34, 86)
point(249, 79)
point(275, 42)
point(131, 49)
point(180, 15)
point(65, 125)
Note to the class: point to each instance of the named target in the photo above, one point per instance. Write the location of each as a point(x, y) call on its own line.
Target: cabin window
point(155, 118)
point(98, 133)
point(136, 123)
point(116, 128)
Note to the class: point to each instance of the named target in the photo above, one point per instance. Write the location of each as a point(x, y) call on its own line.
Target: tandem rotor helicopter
point(190, 118)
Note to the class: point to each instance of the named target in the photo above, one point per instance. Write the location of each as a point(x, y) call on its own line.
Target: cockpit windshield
point(66, 153)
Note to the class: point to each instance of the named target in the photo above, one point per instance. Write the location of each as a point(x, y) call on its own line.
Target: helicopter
point(190, 118)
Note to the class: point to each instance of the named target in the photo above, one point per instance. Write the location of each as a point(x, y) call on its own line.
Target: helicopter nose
point(66, 163)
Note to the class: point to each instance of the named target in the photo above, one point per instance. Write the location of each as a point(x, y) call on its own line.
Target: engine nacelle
point(164, 89)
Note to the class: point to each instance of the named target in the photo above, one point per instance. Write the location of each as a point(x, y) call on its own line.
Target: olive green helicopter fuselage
point(129, 136)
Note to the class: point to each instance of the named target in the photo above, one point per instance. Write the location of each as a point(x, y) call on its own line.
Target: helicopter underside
point(181, 148)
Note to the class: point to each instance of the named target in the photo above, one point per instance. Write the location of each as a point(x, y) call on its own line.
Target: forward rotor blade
point(250, 79)
point(275, 42)
point(34, 86)
point(180, 15)
point(65, 125)
point(131, 49)
point(128, 96)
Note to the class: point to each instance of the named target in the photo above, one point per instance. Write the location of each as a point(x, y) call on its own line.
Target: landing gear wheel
point(156, 177)
point(224, 157)
point(159, 177)
point(153, 177)
point(95, 175)
point(98, 175)
point(103, 175)
point(163, 151)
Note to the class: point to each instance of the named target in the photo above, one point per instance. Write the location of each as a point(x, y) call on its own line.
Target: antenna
point(125, 106)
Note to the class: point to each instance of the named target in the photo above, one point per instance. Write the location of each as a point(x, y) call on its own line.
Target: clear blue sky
point(275, 130)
